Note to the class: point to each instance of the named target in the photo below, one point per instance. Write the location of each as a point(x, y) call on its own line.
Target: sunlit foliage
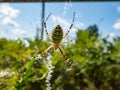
point(96, 64)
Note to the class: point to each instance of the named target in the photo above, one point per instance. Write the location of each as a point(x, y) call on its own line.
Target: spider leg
point(70, 26)
point(44, 23)
point(44, 53)
point(69, 62)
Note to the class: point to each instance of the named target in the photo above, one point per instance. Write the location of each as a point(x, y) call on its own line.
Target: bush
point(96, 64)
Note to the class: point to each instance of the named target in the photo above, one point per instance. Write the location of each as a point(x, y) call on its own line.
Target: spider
point(57, 36)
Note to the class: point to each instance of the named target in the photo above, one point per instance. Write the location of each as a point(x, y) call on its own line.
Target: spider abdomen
point(57, 34)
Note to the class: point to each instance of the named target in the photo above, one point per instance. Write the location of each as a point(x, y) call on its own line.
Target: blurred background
point(95, 46)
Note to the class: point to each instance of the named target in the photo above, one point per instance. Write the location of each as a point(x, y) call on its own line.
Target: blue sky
point(20, 19)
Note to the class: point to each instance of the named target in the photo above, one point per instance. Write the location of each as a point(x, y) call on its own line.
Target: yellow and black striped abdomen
point(57, 34)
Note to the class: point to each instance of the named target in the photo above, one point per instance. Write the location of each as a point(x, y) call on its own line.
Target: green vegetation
point(96, 64)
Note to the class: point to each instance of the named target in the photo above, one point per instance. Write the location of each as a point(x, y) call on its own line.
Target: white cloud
point(1, 16)
point(7, 13)
point(62, 22)
point(118, 8)
point(79, 25)
point(7, 10)
point(19, 32)
point(117, 25)
point(112, 35)
point(67, 5)
point(8, 21)
point(66, 24)
point(58, 19)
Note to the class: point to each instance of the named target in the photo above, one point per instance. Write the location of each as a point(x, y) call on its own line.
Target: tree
point(93, 30)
